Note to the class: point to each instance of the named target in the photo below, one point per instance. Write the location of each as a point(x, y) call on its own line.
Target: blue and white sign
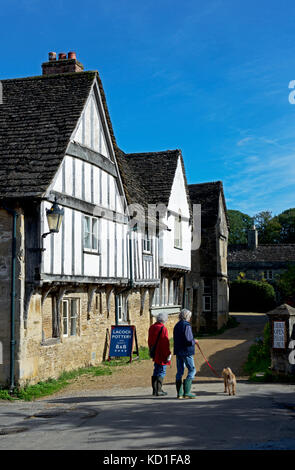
point(121, 341)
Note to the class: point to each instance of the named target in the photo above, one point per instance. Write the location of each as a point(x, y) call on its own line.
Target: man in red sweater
point(162, 356)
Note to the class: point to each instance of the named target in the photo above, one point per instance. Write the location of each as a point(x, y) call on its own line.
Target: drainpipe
point(12, 298)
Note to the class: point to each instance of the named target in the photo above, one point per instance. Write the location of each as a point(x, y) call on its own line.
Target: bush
point(286, 286)
point(259, 354)
point(251, 296)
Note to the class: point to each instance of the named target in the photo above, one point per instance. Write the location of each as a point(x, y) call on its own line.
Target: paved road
point(258, 417)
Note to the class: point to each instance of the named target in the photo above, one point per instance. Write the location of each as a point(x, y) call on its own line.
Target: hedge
point(251, 296)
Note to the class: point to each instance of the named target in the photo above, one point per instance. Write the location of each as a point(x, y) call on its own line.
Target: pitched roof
point(37, 118)
point(263, 253)
point(148, 177)
point(207, 194)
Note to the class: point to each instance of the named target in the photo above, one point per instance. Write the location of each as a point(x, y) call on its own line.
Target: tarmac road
point(260, 416)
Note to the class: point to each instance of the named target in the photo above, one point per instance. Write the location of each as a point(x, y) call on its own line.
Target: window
point(178, 231)
point(91, 234)
point(207, 295)
point(121, 309)
point(146, 243)
point(268, 274)
point(207, 303)
point(70, 314)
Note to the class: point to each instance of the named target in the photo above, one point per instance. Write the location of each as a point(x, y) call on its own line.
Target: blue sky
point(210, 77)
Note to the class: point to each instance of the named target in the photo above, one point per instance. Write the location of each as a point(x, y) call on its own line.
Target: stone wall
point(6, 224)
point(43, 357)
point(5, 275)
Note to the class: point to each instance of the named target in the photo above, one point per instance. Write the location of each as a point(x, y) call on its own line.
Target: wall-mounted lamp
point(54, 218)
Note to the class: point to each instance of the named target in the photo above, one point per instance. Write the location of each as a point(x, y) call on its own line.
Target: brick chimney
point(64, 64)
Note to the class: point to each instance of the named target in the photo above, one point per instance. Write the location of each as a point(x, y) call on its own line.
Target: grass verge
point(258, 363)
point(50, 386)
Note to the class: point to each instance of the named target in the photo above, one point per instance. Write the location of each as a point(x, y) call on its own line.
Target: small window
point(65, 317)
point(70, 313)
point(121, 309)
point(146, 243)
point(91, 234)
point(207, 303)
point(268, 274)
point(178, 231)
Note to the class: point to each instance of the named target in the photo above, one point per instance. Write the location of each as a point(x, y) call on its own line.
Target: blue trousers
point(159, 370)
point(181, 363)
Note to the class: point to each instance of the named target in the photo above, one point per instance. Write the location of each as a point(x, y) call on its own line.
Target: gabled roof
point(208, 194)
point(148, 177)
point(263, 253)
point(37, 118)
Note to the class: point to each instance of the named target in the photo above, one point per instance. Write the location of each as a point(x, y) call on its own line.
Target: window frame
point(146, 243)
point(208, 297)
point(178, 239)
point(69, 317)
point(121, 310)
point(93, 235)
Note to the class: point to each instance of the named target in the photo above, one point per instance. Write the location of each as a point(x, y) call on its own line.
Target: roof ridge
point(202, 184)
point(141, 154)
point(51, 76)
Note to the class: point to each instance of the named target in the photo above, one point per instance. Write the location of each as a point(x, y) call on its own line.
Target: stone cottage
point(208, 279)
point(257, 261)
point(62, 288)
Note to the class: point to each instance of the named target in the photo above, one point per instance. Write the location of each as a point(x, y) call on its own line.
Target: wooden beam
point(95, 158)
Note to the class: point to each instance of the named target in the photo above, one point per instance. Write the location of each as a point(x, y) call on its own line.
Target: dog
point(229, 381)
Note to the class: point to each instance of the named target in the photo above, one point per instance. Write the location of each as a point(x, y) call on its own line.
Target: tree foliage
point(286, 286)
point(271, 230)
point(239, 225)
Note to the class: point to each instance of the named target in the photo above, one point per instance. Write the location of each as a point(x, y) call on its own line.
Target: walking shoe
point(179, 389)
point(187, 383)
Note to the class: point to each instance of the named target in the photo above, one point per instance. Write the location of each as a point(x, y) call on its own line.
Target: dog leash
point(217, 375)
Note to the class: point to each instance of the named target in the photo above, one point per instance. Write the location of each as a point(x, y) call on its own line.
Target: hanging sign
point(279, 334)
point(122, 341)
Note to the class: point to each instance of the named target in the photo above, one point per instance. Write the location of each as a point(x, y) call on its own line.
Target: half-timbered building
point(61, 292)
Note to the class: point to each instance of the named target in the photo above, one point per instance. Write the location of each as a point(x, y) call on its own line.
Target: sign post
point(122, 341)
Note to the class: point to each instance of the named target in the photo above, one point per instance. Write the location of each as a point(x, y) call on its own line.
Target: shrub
point(251, 296)
point(259, 354)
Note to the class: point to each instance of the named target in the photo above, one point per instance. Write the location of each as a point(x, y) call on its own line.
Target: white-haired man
point(184, 349)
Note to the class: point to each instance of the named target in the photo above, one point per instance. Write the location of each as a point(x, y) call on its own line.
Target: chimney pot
point(72, 55)
point(62, 56)
point(52, 56)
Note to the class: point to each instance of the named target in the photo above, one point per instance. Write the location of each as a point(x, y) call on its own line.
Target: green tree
point(239, 224)
point(269, 228)
point(287, 222)
point(286, 285)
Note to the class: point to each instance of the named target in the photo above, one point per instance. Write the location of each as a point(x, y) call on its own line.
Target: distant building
point(208, 277)
point(259, 261)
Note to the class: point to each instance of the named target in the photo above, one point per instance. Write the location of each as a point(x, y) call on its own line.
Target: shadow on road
point(137, 422)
